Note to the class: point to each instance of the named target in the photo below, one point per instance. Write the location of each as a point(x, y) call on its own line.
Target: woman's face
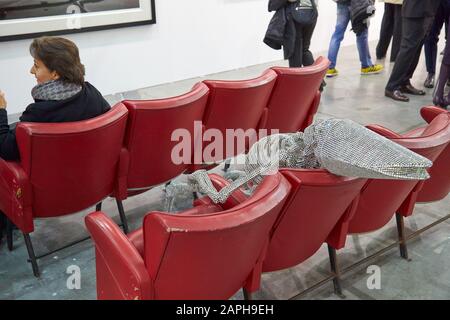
point(42, 73)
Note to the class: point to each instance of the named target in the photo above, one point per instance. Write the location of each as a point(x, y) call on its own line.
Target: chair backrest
point(438, 186)
point(381, 199)
point(296, 97)
point(211, 256)
point(237, 105)
point(318, 199)
point(148, 139)
point(72, 165)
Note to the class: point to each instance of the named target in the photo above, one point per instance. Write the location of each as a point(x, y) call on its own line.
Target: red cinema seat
point(307, 220)
point(235, 105)
point(380, 200)
point(188, 256)
point(438, 186)
point(296, 97)
point(64, 168)
point(155, 128)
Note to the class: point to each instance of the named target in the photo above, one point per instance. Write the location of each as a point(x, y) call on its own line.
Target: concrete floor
point(350, 95)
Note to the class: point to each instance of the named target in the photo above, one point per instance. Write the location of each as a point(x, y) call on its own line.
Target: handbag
point(305, 12)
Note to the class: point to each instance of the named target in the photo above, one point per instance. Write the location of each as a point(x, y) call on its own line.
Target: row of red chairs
point(68, 167)
point(212, 251)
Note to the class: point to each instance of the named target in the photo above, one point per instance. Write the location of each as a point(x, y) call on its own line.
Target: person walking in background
point(343, 19)
point(291, 28)
point(301, 55)
point(444, 75)
point(432, 40)
point(391, 28)
point(417, 19)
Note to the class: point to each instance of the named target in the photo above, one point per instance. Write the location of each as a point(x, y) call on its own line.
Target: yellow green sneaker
point(375, 69)
point(332, 73)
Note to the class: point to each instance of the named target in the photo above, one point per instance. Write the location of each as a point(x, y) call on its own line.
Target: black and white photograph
point(24, 18)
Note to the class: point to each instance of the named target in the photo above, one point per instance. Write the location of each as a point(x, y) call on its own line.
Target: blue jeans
point(343, 18)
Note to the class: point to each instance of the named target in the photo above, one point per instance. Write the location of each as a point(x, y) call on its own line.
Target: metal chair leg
point(401, 236)
point(335, 270)
point(9, 234)
point(247, 295)
point(98, 207)
point(31, 254)
point(123, 218)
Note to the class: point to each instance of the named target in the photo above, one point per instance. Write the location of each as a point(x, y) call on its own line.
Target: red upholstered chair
point(188, 256)
point(306, 220)
point(381, 199)
point(236, 105)
point(296, 97)
point(438, 186)
point(64, 168)
point(151, 137)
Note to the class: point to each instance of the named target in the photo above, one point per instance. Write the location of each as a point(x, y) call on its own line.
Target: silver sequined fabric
point(342, 147)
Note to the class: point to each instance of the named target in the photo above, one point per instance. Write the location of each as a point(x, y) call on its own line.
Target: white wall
point(191, 38)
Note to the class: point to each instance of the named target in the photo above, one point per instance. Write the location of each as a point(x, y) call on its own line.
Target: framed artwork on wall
point(20, 19)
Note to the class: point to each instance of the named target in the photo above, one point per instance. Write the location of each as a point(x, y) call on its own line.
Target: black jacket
point(281, 31)
point(86, 104)
point(420, 8)
point(360, 11)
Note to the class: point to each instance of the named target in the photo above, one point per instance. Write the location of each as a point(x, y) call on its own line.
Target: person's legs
point(422, 32)
point(343, 18)
point(308, 58)
point(432, 40)
point(295, 61)
point(411, 42)
point(363, 49)
point(386, 31)
point(444, 75)
point(397, 33)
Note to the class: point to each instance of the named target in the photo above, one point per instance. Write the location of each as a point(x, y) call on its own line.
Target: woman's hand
point(3, 102)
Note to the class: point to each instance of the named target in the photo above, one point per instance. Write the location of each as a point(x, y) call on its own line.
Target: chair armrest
point(431, 112)
point(121, 271)
point(385, 132)
point(236, 198)
point(16, 195)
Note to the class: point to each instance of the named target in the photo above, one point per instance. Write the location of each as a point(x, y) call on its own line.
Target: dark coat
point(420, 8)
point(281, 31)
point(86, 104)
point(360, 11)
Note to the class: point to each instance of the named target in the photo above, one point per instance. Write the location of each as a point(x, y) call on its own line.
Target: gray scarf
point(55, 90)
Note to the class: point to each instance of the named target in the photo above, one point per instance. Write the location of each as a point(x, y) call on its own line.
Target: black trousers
point(391, 28)
point(414, 32)
point(432, 40)
point(302, 56)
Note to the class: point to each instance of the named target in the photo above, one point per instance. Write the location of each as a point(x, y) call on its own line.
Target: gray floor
point(360, 98)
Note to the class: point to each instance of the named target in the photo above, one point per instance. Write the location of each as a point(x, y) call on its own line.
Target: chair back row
point(71, 166)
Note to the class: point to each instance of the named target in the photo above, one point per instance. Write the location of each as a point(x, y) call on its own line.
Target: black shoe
point(411, 90)
point(429, 82)
point(396, 95)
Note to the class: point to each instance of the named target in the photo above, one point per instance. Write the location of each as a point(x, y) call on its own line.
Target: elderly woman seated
point(61, 94)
